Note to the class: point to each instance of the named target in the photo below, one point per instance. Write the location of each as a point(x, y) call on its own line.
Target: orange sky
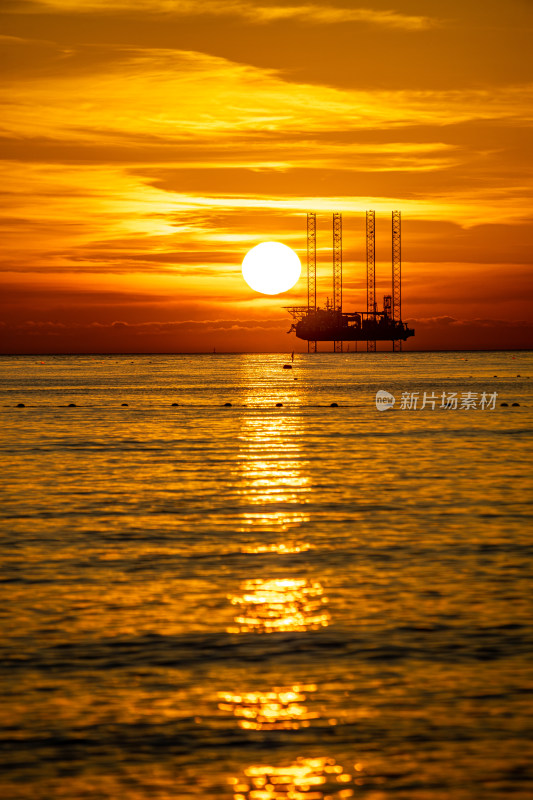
point(148, 144)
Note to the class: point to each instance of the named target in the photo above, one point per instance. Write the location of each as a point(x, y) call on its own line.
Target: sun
point(271, 268)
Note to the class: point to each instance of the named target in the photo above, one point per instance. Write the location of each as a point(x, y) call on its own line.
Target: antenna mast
point(311, 271)
point(397, 273)
point(371, 271)
point(337, 271)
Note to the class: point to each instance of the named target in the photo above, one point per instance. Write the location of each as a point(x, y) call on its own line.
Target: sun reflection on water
point(279, 604)
point(278, 709)
point(267, 383)
point(278, 547)
point(271, 461)
point(275, 486)
point(283, 524)
point(281, 521)
point(304, 779)
point(273, 483)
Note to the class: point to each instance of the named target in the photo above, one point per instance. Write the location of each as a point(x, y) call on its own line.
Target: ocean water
point(251, 602)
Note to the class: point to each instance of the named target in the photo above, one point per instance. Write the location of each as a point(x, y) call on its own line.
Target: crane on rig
point(332, 324)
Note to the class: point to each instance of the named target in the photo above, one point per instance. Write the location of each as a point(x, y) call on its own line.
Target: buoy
point(287, 366)
point(71, 405)
point(174, 404)
point(279, 405)
point(518, 376)
point(334, 405)
point(504, 404)
point(515, 404)
point(20, 405)
point(124, 404)
point(296, 379)
point(228, 405)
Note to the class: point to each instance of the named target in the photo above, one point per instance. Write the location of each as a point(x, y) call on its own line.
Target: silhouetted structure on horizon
point(331, 324)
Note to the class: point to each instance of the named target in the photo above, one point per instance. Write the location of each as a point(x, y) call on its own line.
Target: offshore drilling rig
point(331, 324)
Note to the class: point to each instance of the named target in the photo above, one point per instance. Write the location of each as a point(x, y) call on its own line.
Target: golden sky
point(148, 144)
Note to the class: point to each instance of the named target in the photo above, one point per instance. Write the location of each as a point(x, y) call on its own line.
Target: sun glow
point(271, 268)
point(279, 605)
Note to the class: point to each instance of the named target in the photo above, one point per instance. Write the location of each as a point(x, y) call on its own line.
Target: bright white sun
point(271, 268)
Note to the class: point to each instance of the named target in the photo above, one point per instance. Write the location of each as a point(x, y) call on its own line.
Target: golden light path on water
point(272, 465)
point(304, 779)
point(272, 474)
point(279, 605)
point(278, 709)
point(273, 478)
point(278, 547)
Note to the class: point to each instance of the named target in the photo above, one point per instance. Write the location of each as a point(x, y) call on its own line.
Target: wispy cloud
point(324, 15)
point(37, 327)
point(186, 95)
point(309, 13)
point(439, 322)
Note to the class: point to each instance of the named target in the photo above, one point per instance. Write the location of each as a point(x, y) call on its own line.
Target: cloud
point(447, 321)
point(37, 327)
point(128, 98)
point(241, 335)
point(127, 105)
point(311, 13)
point(211, 325)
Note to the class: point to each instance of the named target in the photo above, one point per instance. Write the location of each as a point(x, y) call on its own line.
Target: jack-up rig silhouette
point(331, 324)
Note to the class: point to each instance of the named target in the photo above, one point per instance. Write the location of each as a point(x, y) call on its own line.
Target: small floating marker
point(227, 405)
point(333, 405)
point(287, 366)
point(296, 379)
point(173, 404)
point(279, 405)
point(504, 404)
point(20, 405)
point(71, 405)
point(124, 404)
point(518, 376)
point(515, 404)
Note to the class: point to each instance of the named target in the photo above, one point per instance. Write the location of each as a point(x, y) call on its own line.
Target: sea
point(238, 577)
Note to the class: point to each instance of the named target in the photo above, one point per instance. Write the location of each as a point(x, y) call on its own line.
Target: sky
point(147, 145)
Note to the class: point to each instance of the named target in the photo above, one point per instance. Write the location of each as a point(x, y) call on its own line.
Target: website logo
point(384, 400)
